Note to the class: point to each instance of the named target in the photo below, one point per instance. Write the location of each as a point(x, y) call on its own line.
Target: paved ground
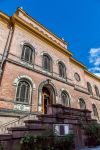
point(97, 148)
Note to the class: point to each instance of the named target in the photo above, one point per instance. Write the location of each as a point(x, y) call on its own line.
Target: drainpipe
point(7, 47)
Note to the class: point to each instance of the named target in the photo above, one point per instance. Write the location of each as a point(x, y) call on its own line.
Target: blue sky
point(77, 21)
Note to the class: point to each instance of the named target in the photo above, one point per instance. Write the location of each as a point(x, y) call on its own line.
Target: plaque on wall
point(21, 107)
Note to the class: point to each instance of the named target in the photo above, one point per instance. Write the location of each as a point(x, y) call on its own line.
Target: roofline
point(92, 75)
point(78, 63)
point(4, 16)
point(44, 28)
point(17, 20)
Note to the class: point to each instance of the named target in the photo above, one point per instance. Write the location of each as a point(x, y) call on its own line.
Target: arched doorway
point(47, 95)
point(46, 99)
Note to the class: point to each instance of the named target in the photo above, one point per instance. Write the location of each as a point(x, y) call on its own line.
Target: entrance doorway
point(47, 97)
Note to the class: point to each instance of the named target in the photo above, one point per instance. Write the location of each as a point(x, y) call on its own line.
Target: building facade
point(37, 69)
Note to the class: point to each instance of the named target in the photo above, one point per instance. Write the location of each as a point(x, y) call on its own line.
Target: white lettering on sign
point(21, 107)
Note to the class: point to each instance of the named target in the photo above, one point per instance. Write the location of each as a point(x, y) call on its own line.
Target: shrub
point(45, 142)
point(93, 132)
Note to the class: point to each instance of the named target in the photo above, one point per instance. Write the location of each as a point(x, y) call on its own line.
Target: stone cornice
point(77, 62)
point(24, 25)
point(25, 15)
point(4, 17)
point(92, 75)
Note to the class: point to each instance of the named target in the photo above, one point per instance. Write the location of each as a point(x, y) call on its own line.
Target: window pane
point(89, 87)
point(27, 93)
point(95, 110)
point(97, 91)
point(46, 63)
point(23, 92)
point(82, 104)
point(62, 130)
point(62, 70)
point(65, 99)
point(27, 54)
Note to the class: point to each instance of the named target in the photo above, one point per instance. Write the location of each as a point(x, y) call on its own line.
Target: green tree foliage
point(47, 141)
point(93, 132)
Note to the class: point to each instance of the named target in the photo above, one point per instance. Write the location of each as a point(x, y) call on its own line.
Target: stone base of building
point(74, 121)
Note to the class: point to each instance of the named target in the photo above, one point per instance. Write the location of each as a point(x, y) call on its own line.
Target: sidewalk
point(96, 148)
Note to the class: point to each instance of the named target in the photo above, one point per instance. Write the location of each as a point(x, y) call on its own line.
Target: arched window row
point(89, 87)
point(28, 55)
point(24, 95)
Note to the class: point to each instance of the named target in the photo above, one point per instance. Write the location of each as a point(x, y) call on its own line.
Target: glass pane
point(82, 104)
point(65, 99)
point(22, 92)
point(46, 62)
point(27, 93)
point(95, 110)
point(61, 129)
point(89, 87)
point(27, 54)
point(61, 70)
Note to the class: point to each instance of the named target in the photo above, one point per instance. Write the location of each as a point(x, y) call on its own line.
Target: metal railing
point(15, 123)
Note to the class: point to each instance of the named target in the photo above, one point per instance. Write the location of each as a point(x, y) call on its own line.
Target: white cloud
point(97, 74)
point(94, 59)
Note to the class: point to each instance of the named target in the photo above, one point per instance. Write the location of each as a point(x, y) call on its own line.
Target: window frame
point(62, 73)
point(30, 61)
point(50, 63)
point(97, 91)
point(57, 133)
point(83, 101)
point(67, 98)
point(95, 111)
point(30, 92)
point(77, 75)
point(89, 87)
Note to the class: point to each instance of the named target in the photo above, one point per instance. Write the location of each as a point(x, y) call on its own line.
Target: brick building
point(37, 69)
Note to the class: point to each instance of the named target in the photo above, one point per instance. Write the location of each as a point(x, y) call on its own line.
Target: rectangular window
point(61, 129)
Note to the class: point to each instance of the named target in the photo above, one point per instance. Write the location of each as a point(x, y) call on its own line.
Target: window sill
point(49, 73)
point(27, 64)
point(23, 103)
point(61, 78)
point(95, 97)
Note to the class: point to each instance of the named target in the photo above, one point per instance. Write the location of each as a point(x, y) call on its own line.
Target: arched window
point(65, 99)
point(62, 70)
point(95, 112)
point(97, 91)
point(27, 53)
point(82, 103)
point(23, 91)
point(89, 88)
point(47, 63)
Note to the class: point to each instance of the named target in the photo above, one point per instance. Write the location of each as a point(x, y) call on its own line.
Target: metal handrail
point(11, 122)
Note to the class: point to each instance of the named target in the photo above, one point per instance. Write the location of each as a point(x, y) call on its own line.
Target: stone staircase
point(16, 123)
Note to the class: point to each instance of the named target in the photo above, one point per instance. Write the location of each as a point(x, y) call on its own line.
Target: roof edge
point(21, 10)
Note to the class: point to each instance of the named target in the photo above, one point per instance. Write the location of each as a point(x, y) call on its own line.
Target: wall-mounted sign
point(21, 107)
